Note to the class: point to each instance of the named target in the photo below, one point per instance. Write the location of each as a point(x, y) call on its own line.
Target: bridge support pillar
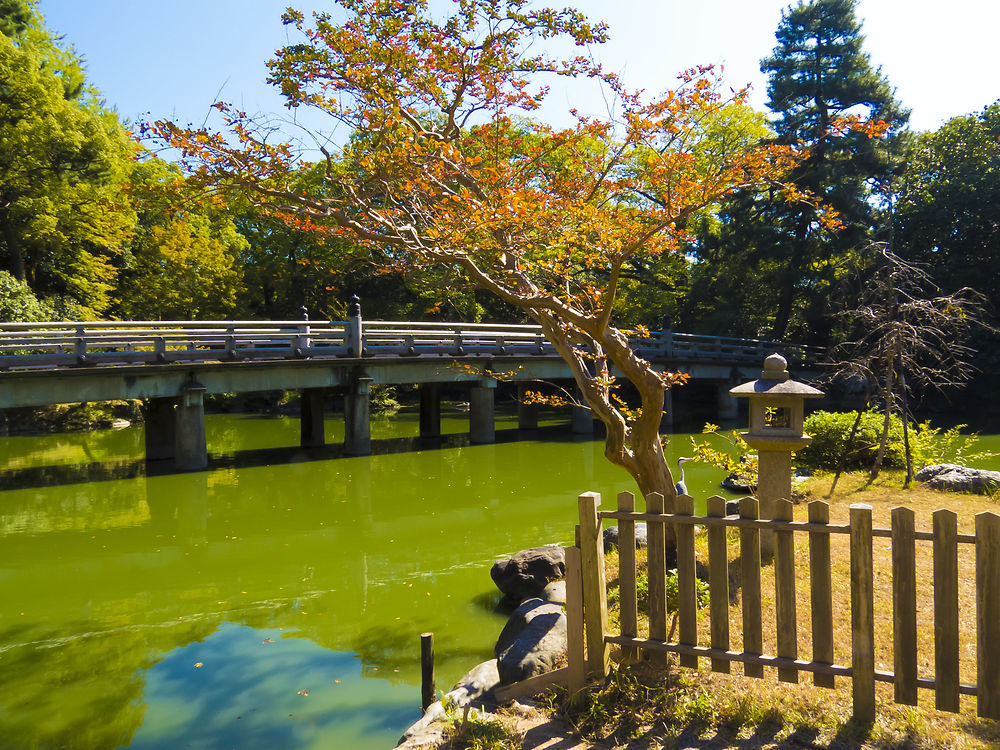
point(357, 427)
point(190, 450)
point(727, 407)
point(311, 434)
point(667, 418)
point(481, 412)
point(527, 414)
point(430, 410)
point(160, 428)
point(583, 417)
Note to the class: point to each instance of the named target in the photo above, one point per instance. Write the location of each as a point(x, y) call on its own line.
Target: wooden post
point(628, 614)
point(862, 615)
point(988, 614)
point(482, 428)
point(687, 600)
point(357, 425)
point(595, 601)
point(945, 526)
point(574, 622)
point(718, 583)
point(904, 606)
point(311, 421)
point(428, 693)
point(656, 571)
point(353, 338)
point(821, 592)
point(784, 591)
point(753, 638)
point(527, 414)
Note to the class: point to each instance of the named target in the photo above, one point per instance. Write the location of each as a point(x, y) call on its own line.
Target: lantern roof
point(774, 381)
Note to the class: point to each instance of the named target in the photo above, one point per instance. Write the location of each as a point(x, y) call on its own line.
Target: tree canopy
point(444, 170)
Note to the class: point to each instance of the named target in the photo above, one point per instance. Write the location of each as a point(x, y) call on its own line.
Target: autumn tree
point(446, 171)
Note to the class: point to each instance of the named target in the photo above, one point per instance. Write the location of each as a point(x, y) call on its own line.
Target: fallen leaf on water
point(303, 692)
point(198, 664)
point(267, 640)
point(337, 681)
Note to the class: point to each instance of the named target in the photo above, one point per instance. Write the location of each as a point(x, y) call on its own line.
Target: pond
point(275, 600)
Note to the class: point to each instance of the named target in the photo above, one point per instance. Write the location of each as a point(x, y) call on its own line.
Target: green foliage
point(383, 399)
point(642, 591)
point(739, 459)
point(472, 731)
point(830, 430)
point(64, 217)
point(928, 444)
point(19, 303)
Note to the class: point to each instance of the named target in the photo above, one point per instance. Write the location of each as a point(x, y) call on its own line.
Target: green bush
point(830, 430)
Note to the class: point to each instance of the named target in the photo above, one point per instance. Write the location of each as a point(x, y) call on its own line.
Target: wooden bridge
point(172, 364)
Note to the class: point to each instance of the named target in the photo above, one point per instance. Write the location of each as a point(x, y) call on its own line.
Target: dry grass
point(824, 714)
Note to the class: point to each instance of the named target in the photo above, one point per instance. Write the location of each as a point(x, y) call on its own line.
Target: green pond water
point(275, 600)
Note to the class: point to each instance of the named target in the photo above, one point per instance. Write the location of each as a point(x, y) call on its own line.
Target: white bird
point(681, 487)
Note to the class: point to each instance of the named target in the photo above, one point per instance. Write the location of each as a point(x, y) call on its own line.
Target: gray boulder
point(474, 689)
point(532, 642)
point(611, 537)
point(526, 574)
point(957, 478)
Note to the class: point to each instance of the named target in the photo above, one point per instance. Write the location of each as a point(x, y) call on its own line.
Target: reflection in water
point(278, 570)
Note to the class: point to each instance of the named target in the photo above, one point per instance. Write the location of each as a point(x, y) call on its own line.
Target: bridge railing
point(90, 343)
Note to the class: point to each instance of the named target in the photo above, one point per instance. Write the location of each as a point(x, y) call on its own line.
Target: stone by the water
point(527, 573)
point(956, 478)
point(611, 537)
point(533, 641)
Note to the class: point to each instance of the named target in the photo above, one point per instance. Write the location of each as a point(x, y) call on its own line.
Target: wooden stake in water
point(428, 693)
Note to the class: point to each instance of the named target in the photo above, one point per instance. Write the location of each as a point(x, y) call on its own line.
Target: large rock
point(526, 574)
point(959, 478)
point(474, 689)
point(611, 537)
point(533, 641)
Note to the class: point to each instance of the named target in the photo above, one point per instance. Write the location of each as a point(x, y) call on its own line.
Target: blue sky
point(172, 58)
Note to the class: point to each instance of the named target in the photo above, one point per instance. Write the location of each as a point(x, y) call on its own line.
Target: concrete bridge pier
point(727, 407)
point(667, 418)
point(430, 410)
point(583, 417)
point(482, 412)
point(159, 428)
point(190, 450)
point(527, 414)
point(311, 428)
point(357, 427)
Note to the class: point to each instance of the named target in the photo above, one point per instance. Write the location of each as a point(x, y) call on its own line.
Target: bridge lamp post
point(777, 418)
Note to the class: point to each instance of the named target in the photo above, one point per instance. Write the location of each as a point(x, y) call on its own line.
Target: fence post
point(862, 615)
point(595, 608)
point(687, 603)
point(574, 621)
point(821, 592)
point(784, 591)
point(988, 614)
point(656, 572)
point(80, 345)
point(718, 583)
point(904, 606)
point(628, 613)
point(753, 637)
point(945, 526)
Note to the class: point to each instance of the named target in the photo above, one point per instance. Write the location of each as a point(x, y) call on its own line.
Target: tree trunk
point(791, 276)
point(841, 460)
point(887, 394)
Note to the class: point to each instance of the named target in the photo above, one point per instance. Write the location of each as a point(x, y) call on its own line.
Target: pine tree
point(818, 74)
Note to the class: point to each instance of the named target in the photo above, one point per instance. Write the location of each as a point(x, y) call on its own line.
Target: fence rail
point(716, 644)
point(55, 345)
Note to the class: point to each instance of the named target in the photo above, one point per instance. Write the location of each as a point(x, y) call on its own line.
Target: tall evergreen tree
point(818, 75)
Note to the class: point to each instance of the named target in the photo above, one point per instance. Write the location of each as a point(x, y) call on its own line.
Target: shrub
point(830, 430)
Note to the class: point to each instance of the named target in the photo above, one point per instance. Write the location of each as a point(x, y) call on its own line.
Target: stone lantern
point(777, 416)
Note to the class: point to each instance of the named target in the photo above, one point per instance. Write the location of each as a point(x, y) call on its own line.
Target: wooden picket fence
point(587, 612)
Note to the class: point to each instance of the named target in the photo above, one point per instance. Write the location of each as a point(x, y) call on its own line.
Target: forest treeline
point(93, 224)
